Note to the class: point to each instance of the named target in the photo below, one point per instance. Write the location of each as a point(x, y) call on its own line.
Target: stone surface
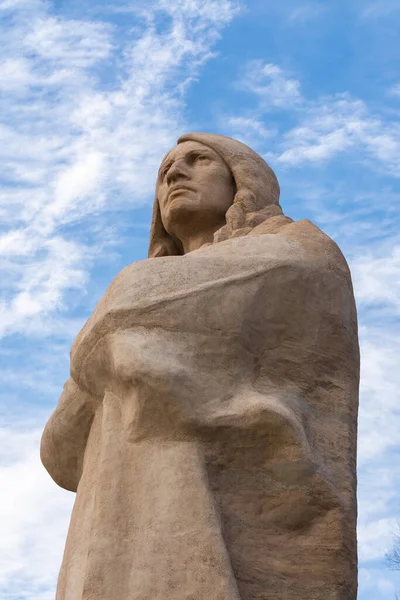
point(209, 424)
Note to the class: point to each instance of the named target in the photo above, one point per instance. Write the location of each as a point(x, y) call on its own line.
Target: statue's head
point(213, 184)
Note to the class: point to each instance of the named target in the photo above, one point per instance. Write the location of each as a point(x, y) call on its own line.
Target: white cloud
point(395, 90)
point(33, 519)
point(364, 221)
point(376, 275)
point(377, 492)
point(85, 117)
point(76, 182)
point(338, 124)
point(270, 83)
point(73, 144)
point(326, 126)
point(40, 285)
point(70, 143)
point(377, 278)
point(249, 130)
point(375, 538)
point(376, 582)
point(379, 420)
point(19, 4)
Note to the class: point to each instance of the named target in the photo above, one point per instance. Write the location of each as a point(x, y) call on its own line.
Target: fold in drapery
point(209, 427)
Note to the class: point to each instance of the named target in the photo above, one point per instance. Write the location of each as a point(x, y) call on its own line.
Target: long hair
point(256, 198)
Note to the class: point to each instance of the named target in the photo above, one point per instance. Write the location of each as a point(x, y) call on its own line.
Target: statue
point(209, 424)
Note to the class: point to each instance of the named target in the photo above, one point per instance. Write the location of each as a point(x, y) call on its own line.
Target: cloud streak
point(72, 145)
point(270, 84)
point(33, 519)
point(86, 115)
point(340, 158)
point(327, 126)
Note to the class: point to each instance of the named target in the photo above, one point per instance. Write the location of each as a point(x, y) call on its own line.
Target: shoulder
point(319, 247)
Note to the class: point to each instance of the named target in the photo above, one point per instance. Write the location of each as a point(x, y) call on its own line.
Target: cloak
point(209, 427)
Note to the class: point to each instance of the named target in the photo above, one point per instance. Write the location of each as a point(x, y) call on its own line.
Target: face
point(195, 188)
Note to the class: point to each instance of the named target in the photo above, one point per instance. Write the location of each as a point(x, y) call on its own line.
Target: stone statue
point(209, 424)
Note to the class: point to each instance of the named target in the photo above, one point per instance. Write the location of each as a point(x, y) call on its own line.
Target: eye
point(164, 171)
point(201, 158)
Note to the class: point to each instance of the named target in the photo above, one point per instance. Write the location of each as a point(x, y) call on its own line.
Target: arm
point(65, 436)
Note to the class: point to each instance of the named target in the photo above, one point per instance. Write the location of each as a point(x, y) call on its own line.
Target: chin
point(183, 212)
point(179, 207)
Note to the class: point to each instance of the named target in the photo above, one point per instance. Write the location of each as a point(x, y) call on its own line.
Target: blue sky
point(92, 94)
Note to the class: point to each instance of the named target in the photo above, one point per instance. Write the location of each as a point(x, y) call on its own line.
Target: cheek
point(222, 185)
point(161, 193)
point(216, 177)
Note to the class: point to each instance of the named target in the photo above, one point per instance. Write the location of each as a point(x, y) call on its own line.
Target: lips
point(179, 188)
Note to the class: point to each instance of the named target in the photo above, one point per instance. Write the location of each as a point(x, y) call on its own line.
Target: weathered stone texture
point(209, 424)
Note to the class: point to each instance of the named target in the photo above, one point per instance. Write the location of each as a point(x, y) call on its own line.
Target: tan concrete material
point(209, 424)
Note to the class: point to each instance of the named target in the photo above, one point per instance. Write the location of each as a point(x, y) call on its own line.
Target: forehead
point(182, 150)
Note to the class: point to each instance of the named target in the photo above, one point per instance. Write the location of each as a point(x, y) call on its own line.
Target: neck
point(193, 232)
point(197, 240)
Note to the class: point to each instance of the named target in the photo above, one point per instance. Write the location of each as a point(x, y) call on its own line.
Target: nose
point(178, 170)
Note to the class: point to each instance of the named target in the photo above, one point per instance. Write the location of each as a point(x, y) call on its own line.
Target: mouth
point(176, 189)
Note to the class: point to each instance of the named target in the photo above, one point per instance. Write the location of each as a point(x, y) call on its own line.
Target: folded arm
point(65, 436)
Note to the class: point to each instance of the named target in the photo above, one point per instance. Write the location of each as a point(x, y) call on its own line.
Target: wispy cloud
point(307, 12)
point(40, 284)
point(395, 90)
point(373, 538)
point(33, 519)
point(377, 278)
point(271, 85)
point(380, 8)
point(373, 582)
point(71, 143)
point(326, 125)
point(340, 157)
point(380, 380)
point(249, 130)
point(86, 115)
point(334, 125)
point(87, 107)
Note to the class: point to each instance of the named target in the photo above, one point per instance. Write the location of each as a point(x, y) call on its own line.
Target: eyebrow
point(167, 162)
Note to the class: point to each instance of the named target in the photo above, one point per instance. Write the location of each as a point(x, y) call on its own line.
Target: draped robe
point(209, 427)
